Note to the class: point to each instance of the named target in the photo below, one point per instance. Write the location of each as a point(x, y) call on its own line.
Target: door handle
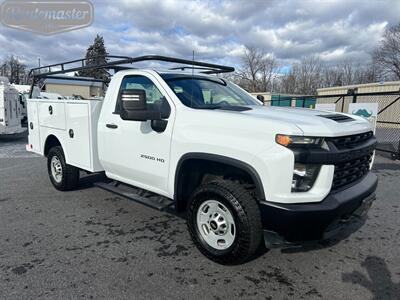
point(112, 126)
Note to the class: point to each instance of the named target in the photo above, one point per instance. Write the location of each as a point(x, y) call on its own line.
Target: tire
point(241, 205)
point(66, 177)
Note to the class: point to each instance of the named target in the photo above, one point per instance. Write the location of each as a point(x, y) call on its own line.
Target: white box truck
point(199, 144)
point(23, 90)
point(10, 109)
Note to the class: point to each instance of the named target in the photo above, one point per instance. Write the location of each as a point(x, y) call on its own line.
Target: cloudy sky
point(217, 30)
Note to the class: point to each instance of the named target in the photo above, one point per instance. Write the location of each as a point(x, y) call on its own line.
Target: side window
point(154, 99)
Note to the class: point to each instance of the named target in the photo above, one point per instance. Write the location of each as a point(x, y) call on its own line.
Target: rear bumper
point(293, 223)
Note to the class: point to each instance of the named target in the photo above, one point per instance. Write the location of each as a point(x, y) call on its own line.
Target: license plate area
point(366, 204)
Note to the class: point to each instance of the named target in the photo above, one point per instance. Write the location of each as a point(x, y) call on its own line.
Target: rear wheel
point(224, 222)
point(64, 177)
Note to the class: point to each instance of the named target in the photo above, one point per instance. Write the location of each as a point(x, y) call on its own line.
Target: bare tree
point(310, 69)
point(269, 66)
point(14, 70)
point(304, 77)
point(260, 73)
point(251, 66)
point(387, 56)
point(257, 70)
point(347, 72)
point(331, 77)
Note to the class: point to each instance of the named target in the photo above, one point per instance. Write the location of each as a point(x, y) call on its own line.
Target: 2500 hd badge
point(161, 160)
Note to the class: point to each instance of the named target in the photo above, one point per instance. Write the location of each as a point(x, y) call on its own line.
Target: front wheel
point(64, 177)
point(224, 222)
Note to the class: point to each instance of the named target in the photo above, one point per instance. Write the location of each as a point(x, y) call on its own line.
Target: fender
point(220, 159)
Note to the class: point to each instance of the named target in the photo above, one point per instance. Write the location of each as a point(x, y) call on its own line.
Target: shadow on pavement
point(88, 180)
point(14, 138)
point(351, 227)
point(379, 283)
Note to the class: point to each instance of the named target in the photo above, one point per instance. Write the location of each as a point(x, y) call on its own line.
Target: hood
point(313, 122)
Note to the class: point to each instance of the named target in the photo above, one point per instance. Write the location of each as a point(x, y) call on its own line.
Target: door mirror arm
point(260, 98)
point(159, 125)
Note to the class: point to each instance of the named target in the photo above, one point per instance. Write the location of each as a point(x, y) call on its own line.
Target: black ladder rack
point(115, 62)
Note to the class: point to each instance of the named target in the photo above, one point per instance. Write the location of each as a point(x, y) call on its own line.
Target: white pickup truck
point(241, 171)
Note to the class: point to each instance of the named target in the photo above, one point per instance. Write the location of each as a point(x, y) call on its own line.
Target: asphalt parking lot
point(92, 244)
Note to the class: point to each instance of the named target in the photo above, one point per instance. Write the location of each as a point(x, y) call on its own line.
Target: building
point(376, 87)
point(69, 86)
point(386, 94)
point(287, 100)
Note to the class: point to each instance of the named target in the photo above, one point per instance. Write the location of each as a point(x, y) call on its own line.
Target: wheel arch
point(184, 176)
point(51, 141)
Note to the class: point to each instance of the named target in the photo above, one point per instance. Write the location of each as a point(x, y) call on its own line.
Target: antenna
point(191, 96)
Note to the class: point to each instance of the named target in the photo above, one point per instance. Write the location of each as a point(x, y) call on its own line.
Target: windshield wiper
point(224, 107)
point(207, 106)
point(235, 107)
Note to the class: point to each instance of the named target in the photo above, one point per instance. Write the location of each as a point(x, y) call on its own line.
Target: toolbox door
point(52, 114)
point(78, 135)
point(33, 127)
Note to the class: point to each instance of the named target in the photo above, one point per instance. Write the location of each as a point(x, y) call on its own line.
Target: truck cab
point(242, 172)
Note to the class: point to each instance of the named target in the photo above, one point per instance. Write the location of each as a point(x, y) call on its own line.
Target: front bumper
point(293, 223)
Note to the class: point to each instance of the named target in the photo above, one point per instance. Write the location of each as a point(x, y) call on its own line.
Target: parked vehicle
point(23, 90)
point(10, 109)
point(199, 144)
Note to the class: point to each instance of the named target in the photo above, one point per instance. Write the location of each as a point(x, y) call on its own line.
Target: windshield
point(208, 93)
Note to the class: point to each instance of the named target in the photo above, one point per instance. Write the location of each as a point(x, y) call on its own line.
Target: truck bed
point(73, 122)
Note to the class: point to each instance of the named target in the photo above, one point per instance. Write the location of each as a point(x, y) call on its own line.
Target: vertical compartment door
point(78, 136)
point(33, 127)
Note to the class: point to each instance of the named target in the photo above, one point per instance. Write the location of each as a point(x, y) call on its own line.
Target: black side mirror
point(134, 107)
point(260, 98)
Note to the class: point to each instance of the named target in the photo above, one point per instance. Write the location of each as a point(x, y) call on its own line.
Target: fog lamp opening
point(304, 176)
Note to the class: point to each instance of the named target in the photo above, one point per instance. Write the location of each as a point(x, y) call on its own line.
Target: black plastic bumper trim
point(308, 222)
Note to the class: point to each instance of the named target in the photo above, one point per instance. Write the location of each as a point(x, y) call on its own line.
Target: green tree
point(96, 55)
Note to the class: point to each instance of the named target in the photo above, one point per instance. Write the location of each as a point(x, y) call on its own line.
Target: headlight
point(304, 176)
point(294, 140)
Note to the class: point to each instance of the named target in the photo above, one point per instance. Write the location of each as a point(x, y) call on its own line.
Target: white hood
point(310, 120)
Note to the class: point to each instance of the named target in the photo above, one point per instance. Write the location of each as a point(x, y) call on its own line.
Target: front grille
point(351, 171)
point(351, 141)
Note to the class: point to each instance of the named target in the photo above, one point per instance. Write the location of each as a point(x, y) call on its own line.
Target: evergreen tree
point(96, 55)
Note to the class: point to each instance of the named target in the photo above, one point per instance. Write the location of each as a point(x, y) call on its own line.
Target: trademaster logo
point(46, 17)
point(363, 113)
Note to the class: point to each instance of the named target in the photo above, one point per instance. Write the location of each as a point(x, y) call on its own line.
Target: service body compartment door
point(33, 127)
point(78, 135)
point(52, 114)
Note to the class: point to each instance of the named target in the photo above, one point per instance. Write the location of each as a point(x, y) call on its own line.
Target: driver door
point(134, 152)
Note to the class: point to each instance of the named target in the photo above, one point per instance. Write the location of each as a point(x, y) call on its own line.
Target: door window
point(154, 99)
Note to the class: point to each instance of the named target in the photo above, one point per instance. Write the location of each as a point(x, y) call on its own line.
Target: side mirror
point(134, 107)
point(260, 98)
